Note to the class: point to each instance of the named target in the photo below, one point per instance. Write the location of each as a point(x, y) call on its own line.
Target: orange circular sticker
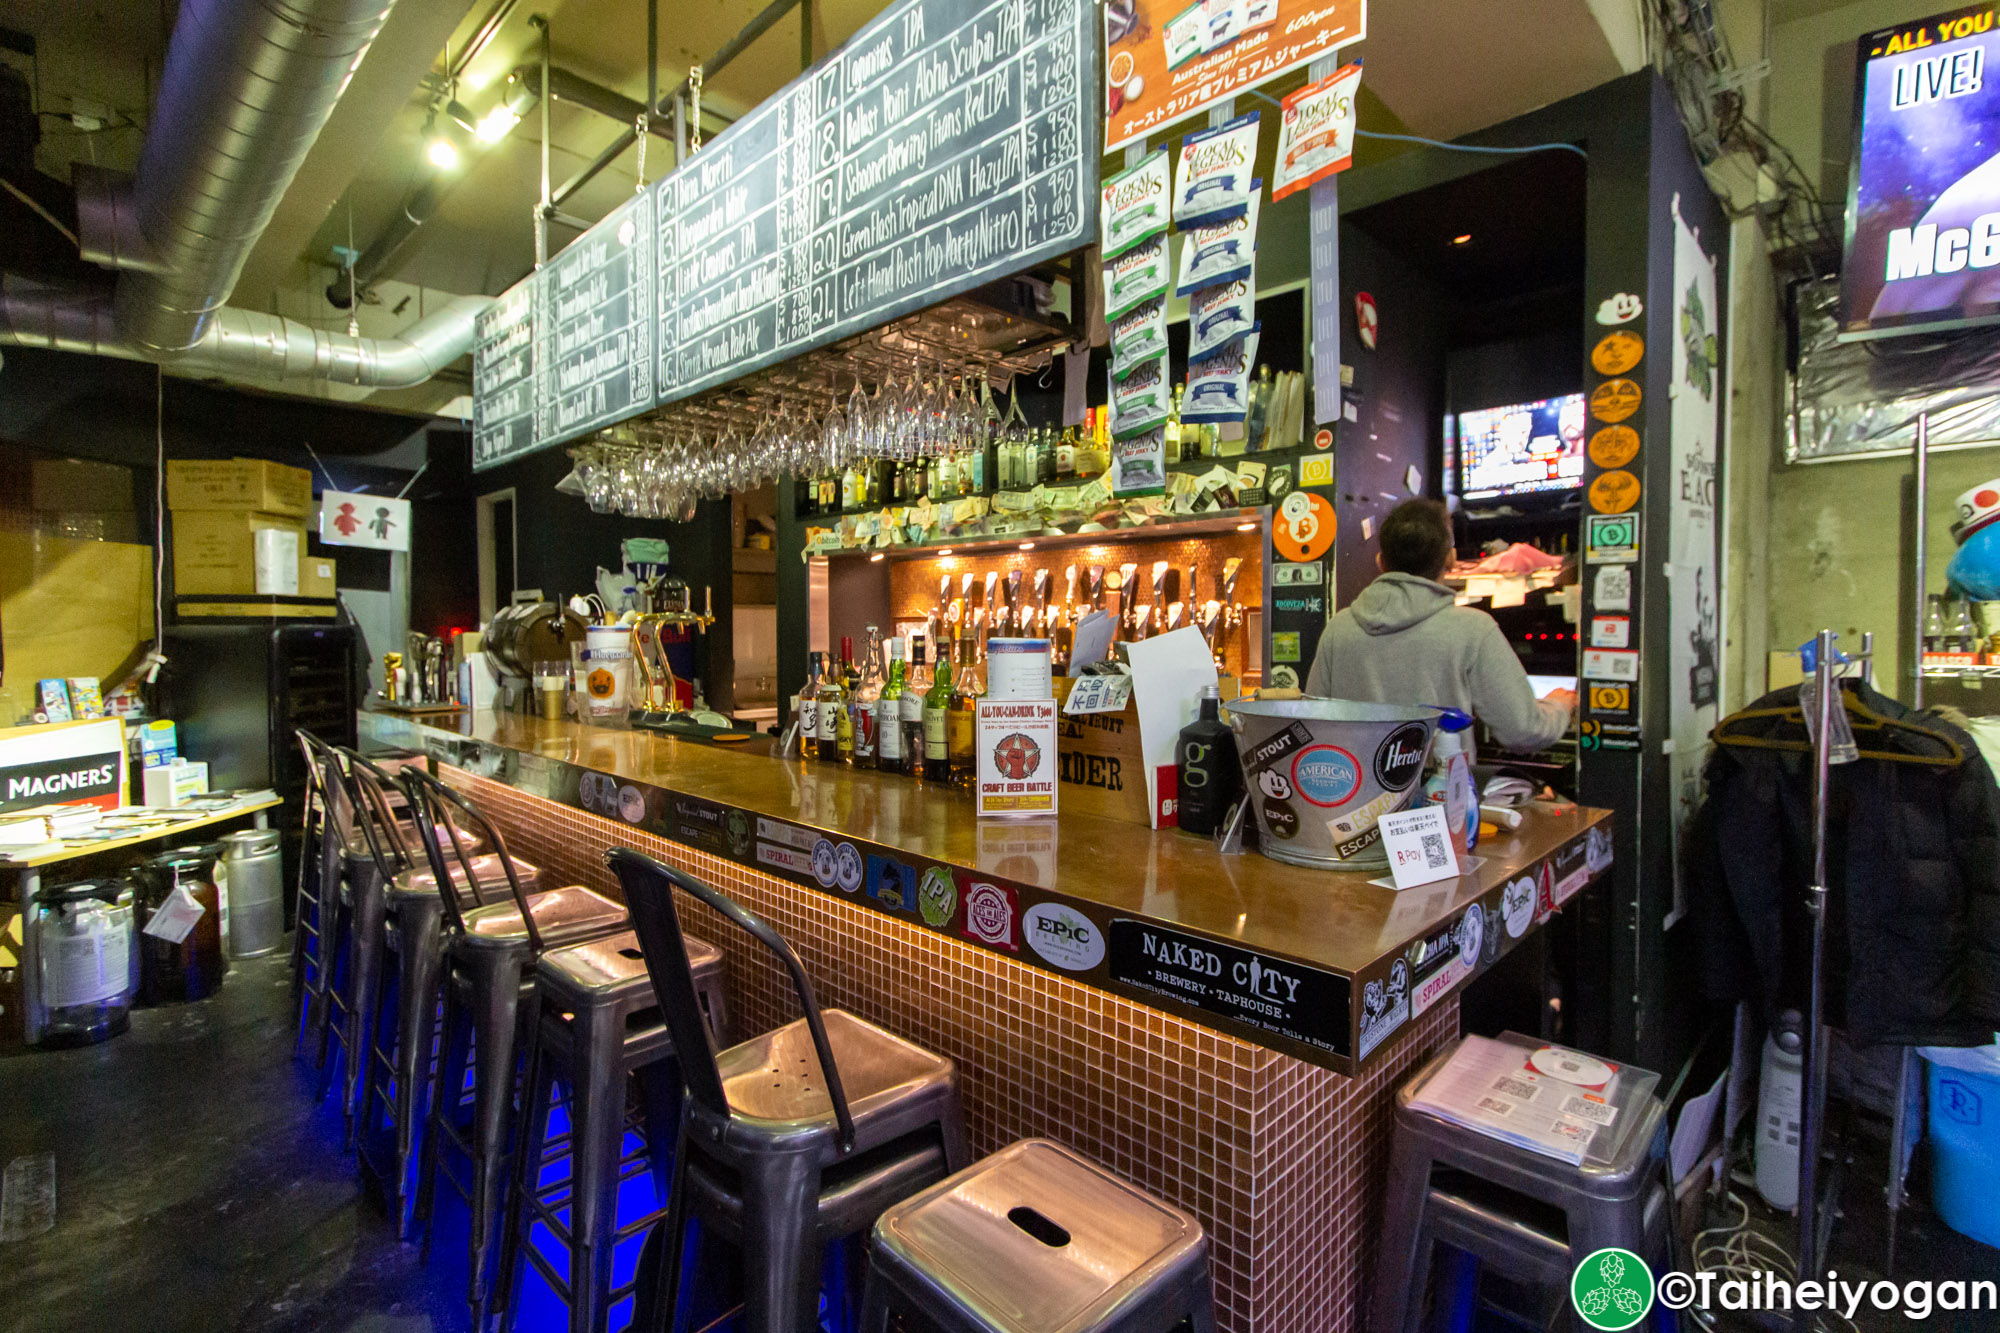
point(602, 684)
point(1614, 492)
point(1617, 353)
point(1614, 400)
point(1614, 446)
point(1303, 527)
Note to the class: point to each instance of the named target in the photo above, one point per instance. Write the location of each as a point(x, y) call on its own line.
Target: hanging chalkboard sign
point(503, 376)
point(594, 366)
point(934, 152)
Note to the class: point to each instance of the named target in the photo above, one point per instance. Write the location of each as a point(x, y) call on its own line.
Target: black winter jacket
point(1913, 895)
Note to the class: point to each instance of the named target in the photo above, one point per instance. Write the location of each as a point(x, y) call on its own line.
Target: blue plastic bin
point(1965, 1138)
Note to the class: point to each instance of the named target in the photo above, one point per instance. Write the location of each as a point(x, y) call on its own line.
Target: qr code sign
point(1514, 1087)
point(1436, 856)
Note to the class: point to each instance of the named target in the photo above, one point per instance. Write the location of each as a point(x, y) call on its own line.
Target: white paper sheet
point(1168, 674)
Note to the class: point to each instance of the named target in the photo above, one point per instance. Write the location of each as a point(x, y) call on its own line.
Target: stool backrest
point(367, 786)
point(438, 811)
point(649, 898)
point(322, 763)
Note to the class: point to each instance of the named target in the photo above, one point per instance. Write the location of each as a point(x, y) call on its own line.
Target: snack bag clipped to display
point(1218, 385)
point(1138, 335)
point(1213, 183)
point(1135, 205)
point(1138, 275)
point(1139, 463)
point(1316, 131)
point(1217, 314)
point(1141, 398)
point(1221, 251)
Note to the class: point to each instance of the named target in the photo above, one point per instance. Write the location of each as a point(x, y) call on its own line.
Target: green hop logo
point(1612, 1289)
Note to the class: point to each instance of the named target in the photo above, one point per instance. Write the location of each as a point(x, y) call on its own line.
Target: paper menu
point(1169, 672)
point(1500, 1088)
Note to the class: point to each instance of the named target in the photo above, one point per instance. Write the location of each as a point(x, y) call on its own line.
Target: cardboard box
point(214, 551)
point(316, 576)
point(239, 484)
point(76, 484)
point(1102, 769)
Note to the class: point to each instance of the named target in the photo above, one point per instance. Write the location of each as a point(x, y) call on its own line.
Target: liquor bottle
point(867, 696)
point(1205, 757)
point(809, 709)
point(915, 686)
point(832, 708)
point(1172, 431)
point(843, 724)
point(890, 752)
point(937, 732)
point(945, 485)
point(1257, 417)
point(963, 715)
point(1066, 457)
point(1045, 457)
point(1965, 638)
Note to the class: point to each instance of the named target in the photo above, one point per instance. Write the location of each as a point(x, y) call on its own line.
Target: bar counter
point(1226, 1031)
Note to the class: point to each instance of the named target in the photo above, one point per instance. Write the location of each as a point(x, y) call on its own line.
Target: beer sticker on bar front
point(1316, 131)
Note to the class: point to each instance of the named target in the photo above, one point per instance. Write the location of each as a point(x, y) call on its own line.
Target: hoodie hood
point(1397, 601)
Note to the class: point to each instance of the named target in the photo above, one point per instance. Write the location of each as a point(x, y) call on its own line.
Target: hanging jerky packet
point(1213, 183)
point(1220, 251)
point(1316, 131)
point(1141, 398)
point(1218, 385)
point(1139, 463)
point(1139, 334)
point(1138, 275)
point(1217, 314)
point(1135, 205)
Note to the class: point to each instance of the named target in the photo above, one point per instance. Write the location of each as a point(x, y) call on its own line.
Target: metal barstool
point(790, 1140)
point(399, 1023)
point(327, 967)
point(306, 928)
point(1035, 1239)
point(491, 949)
point(600, 1029)
point(1528, 1216)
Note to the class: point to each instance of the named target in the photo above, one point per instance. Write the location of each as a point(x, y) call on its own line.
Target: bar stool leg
point(335, 975)
point(447, 1087)
point(417, 1020)
point(1398, 1279)
point(597, 1129)
point(660, 1112)
point(781, 1249)
point(368, 927)
point(496, 1011)
point(537, 1096)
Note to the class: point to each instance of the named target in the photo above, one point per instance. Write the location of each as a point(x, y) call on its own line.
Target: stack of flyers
point(1137, 276)
point(1140, 399)
point(1220, 251)
point(1135, 205)
point(1316, 132)
point(1217, 314)
point(1218, 385)
point(1138, 335)
point(1213, 183)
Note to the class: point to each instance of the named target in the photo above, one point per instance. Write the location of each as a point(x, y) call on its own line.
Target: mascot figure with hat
point(1974, 573)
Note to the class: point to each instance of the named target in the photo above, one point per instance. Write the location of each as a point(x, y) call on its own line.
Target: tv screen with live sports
point(1923, 197)
point(1520, 449)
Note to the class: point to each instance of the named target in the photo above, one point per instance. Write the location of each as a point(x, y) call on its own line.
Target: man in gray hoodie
point(1405, 640)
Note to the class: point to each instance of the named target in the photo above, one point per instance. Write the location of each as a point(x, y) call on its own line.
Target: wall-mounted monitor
point(1923, 194)
point(1520, 449)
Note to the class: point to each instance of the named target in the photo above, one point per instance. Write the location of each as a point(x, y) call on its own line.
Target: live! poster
point(1169, 59)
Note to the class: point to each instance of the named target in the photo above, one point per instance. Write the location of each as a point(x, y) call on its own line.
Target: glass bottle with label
point(808, 711)
point(832, 708)
point(843, 723)
point(1205, 760)
point(1172, 432)
point(867, 695)
point(964, 713)
point(889, 749)
point(937, 732)
point(915, 685)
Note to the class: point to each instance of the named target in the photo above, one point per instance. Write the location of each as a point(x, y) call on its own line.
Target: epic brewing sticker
point(1217, 314)
point(1316, 131)
point(1213, 183)
point(1141, 333)
point(1140, 274)
point(1135, 205)
point(1221, 251)
point(1218, 385)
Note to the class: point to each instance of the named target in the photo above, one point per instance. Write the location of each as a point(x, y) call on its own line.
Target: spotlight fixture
point(442, 152)
point(459, 114)
point(495, 124)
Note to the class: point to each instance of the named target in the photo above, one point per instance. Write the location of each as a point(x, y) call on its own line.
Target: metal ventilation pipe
point(247, 87)
point(244, 344)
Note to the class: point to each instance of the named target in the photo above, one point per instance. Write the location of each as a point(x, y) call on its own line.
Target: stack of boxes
point(222, 567)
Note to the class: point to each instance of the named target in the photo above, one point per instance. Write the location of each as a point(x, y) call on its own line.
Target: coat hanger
point(1861, 718)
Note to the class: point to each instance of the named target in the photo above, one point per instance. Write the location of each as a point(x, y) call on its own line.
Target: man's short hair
point(1416, 539)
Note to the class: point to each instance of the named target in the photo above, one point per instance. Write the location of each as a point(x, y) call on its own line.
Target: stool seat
point(487, 872)
point(1035, 1239)
point(561, 915)
point(776, 1077)
point(615, 964)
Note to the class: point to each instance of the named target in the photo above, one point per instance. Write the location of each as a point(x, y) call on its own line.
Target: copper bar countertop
point(1319, 964)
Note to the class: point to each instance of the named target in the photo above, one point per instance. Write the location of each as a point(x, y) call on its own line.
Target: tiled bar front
point(1281, 1160)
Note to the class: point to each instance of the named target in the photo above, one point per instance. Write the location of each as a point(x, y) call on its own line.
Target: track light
point(495, 124)
point(443, 153)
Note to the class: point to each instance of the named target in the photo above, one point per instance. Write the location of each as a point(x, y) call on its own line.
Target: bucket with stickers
point(1320, 774)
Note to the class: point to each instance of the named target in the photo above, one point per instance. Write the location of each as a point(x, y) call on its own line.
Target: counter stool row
point(823, 1131)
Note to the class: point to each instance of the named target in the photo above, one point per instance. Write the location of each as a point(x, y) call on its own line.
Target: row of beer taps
point(1008, 611)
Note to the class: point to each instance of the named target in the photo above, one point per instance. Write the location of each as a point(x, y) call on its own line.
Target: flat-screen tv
point(1923, 195)
point(1520, 449)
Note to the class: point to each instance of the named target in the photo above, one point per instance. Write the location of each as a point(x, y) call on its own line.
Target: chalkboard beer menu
point(935, 151)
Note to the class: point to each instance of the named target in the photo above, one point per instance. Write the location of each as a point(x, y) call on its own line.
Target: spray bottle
point(1450, 783)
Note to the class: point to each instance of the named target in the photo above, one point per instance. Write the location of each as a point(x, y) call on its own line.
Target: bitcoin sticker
point(1614, 492)
point(1304, 527)
point(1614, 446)
point(1617, 353)
point(1615, 400)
